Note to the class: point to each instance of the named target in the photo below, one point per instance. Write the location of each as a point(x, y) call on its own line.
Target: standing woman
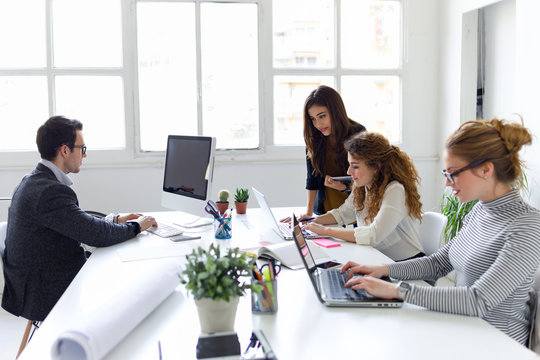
point(497, 251)
point(326, 127)
point(384, 201)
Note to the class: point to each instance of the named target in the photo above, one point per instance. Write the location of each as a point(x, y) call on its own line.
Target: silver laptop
point(282, 229)
point(329, 284)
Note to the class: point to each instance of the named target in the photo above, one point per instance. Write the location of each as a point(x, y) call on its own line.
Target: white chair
point(534, 337)
point(431, 231)
point(3, 230)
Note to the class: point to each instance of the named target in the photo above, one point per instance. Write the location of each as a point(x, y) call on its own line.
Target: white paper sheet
point(95, 333)
point(154, 252)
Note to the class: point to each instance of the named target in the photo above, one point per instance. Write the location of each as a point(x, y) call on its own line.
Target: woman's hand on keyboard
point(316, 228)
point(373, 286)
point(355, 268)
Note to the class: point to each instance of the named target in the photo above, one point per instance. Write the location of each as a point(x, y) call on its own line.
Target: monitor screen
point(188, 174)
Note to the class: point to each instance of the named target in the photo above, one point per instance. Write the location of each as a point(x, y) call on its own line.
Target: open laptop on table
point(329, 283)
point(282, 229)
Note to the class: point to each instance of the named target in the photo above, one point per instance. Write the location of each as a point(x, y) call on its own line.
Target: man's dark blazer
point(43, 243)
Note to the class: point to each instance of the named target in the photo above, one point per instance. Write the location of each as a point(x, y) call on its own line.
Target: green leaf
point(216, 274)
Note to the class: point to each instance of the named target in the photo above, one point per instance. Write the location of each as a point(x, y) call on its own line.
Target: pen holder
point(264, 302)
point(223, 228)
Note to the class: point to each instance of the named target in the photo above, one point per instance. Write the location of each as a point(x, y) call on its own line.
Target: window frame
point(132, 155)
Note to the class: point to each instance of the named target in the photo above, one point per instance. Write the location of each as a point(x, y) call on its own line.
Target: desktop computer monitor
point(188, 174)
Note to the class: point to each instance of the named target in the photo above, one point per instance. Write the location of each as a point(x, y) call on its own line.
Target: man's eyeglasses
point(450, 175)
point(82, 147)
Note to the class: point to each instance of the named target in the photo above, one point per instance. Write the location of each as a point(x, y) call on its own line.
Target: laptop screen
point(309, 262)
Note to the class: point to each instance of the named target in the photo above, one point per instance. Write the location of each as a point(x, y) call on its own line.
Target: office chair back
point(3, 229)
point(431, 231)
point(30, 323)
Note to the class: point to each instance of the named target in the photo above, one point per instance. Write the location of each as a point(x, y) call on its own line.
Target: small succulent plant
point(241, 195)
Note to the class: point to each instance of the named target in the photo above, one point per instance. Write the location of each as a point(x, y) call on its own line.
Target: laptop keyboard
point(287, 232)
point(165, 230)
point(334, 282)
point(285, 228)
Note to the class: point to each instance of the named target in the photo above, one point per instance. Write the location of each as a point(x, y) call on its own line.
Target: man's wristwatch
point(403, 290)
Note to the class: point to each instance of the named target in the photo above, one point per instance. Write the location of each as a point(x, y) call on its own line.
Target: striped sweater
point(495, 255)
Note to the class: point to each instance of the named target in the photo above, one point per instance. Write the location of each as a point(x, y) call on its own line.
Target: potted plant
point(456, 210)
point(223, 200)
point(215, 281)
point(241, 197)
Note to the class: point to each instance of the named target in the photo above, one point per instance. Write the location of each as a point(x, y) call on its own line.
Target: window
point(360, 58)
point(198, 72)
point(238, 70)
point(81, 76)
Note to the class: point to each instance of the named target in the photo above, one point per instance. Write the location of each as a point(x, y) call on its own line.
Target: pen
point(308, 219)
point(159, 349)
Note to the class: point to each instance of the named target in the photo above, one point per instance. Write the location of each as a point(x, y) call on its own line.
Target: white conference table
point(302, 328)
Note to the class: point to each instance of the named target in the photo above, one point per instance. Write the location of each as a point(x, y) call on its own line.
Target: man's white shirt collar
point(60, 175)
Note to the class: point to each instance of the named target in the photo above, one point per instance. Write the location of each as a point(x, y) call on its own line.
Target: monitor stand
point(198, 222)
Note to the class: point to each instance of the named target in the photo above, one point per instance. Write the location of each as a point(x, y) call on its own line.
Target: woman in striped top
point(496, 253)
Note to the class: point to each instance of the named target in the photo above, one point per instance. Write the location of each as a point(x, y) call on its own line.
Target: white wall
point(130, 188)
point(527, 74)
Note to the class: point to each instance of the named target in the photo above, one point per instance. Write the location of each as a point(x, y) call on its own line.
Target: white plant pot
point(217, 316)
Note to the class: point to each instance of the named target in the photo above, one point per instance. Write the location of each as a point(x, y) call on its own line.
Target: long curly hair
point(391, 164)
point(342, 127)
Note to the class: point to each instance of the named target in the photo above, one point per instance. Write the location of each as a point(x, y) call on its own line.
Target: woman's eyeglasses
point(450, 175)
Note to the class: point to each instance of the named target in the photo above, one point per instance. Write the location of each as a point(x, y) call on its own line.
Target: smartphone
point(329, 265)
point(342, 178)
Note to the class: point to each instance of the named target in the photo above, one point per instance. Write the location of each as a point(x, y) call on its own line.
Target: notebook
point(282, 229)
point(329, 283)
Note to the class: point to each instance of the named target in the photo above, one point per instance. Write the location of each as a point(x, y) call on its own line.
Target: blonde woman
point(497, 251)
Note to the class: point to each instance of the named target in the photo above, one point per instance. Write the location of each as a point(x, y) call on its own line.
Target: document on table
point(136, 253)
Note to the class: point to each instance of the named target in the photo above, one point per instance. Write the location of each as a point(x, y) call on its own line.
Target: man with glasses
point(46, 227)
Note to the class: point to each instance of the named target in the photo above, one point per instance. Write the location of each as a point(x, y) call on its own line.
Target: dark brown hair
point(342, 127)
point(54, 133)
point(496, 140)
point(391, 164)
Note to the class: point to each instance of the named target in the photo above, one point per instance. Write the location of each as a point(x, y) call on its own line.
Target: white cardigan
point(393, 232)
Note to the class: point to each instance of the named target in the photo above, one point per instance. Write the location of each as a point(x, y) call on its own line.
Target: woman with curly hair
point(496, 252)
point(326, 127)
point(384, 201)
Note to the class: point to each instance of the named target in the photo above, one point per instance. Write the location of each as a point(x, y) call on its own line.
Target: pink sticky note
point(327, 243)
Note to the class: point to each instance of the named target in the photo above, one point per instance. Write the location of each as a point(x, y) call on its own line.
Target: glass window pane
point(98, 102)
point(370, 34)
point(290, 93)
point(373, 101)
point(87, 33)
point(167, 72)
point(229, 56)
point(23, 108)
point(22, 33)
point(303, 33)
